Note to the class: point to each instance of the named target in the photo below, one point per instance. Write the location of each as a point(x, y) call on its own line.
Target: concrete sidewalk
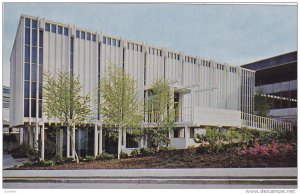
point(246, 176)
point(10, 162)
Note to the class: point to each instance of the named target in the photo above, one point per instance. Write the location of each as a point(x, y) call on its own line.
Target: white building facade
point(209, 93)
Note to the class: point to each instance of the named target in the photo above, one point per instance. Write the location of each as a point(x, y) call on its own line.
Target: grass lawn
point(188, 158)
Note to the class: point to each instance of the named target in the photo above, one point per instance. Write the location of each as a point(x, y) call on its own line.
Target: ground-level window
point(192, 132)
point(131, 142)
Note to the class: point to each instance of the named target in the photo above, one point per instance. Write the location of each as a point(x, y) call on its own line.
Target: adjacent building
point(276, 78)
point(208, 93)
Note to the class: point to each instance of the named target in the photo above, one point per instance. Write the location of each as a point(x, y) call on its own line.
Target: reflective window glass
point(27, 22)
point(33, 89)
point(33, 107)
point(27, 53)
point(118, 43)
point(104, 40)
point(88, 36)
point(47, 27)
point(33, 72)
point(77, 33)
point(53, 28)
point(34, 54)
point(26, 89)
point(114, 42)
point(94, 37)
point(40, 55)
point(66, 31)
point(34, 37)
point(26, 108)
point(27, 71)
point(27, 36)
point(109, 41)
point(41, 39)
point(34, 24)
point(82, 35)
point(59, 30)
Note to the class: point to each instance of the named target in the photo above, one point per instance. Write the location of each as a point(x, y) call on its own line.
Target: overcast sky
point(234, 34)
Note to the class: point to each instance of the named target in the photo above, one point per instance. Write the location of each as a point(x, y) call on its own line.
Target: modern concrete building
point(276, 78)
point(208, 93)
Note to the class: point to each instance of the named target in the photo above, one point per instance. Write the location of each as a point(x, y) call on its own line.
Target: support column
point(30, 136)
point(21, 132)
point(100, 140)
point(43, 142)
point(73, 141)
point(36, 137)
point(124, 138)
point(68, 141)
point(96, 140)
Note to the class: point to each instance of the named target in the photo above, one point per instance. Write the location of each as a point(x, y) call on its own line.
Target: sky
point(233, 34)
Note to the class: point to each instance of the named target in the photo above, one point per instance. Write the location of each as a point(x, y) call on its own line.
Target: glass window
point(26, 108)
point(77, 33)
point(27, 71)
point(40, 108)
point(27, 36)
point(141, 48)
point(53, 28)
point(40, 55)
point(114, 42)
point(47, 27)
point(109, 41)
point(34, 37)
point(59, 29)
point(40, 73)
point(27, 22)
point(41, 39)
point(33, 107)
point(192, 132)
point(34, 24)
point(88, 36)
point(33, 72)
point(34, 54)
point(72, 45)
point(40, 90)
point(160, 52)
point(82, 35)
point(118, 43)
point(178, 57)
point(66, 31)
point(26, 89)
point(33, 89)
point(27, 53)
point(94, 37)
point(104, 40)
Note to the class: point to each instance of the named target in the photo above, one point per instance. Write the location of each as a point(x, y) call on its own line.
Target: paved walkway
point(9, 161)
point(210, 172)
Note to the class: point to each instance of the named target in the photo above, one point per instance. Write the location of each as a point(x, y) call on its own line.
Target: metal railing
point(258, 122)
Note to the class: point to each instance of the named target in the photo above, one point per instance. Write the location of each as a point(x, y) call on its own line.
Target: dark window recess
point(82, 35)
point(118, 43)
point(60, 29)
point(176, 133)
point(27, 36)
point(47, 27)
point(27, 71)
point(104, 40)
point(33, 72)
point(77, 33)
point(34, 24)
point(88, 36)
point(53, 28)
point(26, 89)
point(160, 52)
point(27, 53)
point(66, 31)
point(94, 37)
point(41, 39)
point(40, 108)
point(192, 132)
point(33, 108)
point(41, 73)
point(40, 90)
point(40, 55)
point(114, 42)
point(130, 141)
point(33, 89)
point(34, 55)
point(27, 22)
point(26, 107)
point(109, 41)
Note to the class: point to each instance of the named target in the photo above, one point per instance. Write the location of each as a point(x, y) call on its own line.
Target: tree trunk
point(119, 141)
point(74, 153)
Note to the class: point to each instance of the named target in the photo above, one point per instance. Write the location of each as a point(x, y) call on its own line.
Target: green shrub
point(58, 160)
point(105, 156)
point(123, 155)
point(147, 151)
point(69, 159)
point(88, 159)
point(46, 163)
point(135, 153)
point(21, 151)
point(28, 163)
point(33, 155)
